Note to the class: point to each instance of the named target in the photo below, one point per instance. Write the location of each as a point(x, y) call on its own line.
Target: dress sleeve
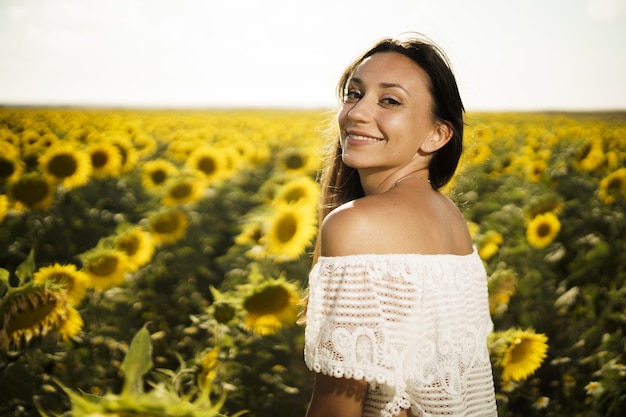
point(345, 335)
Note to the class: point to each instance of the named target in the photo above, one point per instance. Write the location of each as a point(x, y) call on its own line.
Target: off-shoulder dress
point(414, 326)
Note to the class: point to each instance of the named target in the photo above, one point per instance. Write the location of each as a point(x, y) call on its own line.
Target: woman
point(397, 316)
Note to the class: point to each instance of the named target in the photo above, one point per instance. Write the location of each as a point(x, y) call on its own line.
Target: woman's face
point(386, 115)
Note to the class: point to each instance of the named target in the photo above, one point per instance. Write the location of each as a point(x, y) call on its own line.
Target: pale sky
point(513, 55)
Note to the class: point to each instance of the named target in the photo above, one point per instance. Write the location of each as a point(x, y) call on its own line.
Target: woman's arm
point(337, 397)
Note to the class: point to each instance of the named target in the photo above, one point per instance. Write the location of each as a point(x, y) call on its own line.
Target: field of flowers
point(153, 262)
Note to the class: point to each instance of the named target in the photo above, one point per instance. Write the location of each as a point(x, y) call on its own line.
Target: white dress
point(414, 326)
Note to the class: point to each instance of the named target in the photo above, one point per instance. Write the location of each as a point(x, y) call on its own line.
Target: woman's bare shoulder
point(377, 224)
point(354, 228)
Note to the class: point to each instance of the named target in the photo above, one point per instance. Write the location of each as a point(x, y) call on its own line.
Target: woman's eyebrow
point(356, 80)
point(392, 85)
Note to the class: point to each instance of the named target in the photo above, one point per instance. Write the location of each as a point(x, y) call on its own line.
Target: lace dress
point(414, 326)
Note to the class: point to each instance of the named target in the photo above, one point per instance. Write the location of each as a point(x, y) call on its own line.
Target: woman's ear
point(441, 134)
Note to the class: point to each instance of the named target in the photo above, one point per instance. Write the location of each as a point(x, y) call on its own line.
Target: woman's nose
point(360, 111)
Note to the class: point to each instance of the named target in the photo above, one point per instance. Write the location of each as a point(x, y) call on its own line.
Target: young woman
point(397, 315)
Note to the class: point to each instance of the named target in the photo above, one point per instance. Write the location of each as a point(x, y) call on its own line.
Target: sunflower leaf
point(4, 281)
point(137, 362)
point(25, 270)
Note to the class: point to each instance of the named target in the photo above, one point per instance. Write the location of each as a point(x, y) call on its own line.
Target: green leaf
point(4, 281)
point(137, 362)
point(25, 270)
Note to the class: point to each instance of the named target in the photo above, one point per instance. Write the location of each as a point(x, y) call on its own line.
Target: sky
point(508, 55)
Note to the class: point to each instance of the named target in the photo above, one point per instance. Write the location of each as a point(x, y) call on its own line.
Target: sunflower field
point(153, 262)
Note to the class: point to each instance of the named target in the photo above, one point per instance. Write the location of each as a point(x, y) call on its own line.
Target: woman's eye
point(390, 101)
point(352, 95)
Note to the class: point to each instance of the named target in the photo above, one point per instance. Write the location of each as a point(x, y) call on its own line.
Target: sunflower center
point(614, 184)
point(583, 152)
point(207, 165)
point(267, 301)
point(104, 266)
point(286, 228)
point(166, 224)
point(224, 312)
point(294, 161)
point(158, 176)
point(63, 165)
point(180, 191)
point(294, 195)
point(520, 352)
point(129, 244)
point(99, 159)
point(7, 168)
point(31, 191)
point(34, 310)
point(544, 230)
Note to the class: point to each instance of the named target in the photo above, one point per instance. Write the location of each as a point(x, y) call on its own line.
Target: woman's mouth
point(355, 137)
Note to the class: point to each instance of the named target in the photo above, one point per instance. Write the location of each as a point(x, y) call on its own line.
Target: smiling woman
point(397, 292)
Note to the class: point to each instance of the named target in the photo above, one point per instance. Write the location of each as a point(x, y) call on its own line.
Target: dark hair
point(341, 183)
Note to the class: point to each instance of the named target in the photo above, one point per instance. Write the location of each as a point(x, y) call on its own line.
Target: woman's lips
point(353, 137)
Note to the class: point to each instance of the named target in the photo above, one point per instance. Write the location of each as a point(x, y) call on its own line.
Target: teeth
point(359, 137)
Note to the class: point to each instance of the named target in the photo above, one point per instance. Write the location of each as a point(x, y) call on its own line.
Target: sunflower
point(7, 137)
point(126, 149)
point(613, 186)
point(106, 268)
point(250, 234)
point(289, 233)
point(302, 190)
point(48, 140)
point(474, 229)
point(181, 147)
point(295, 161)
point(33, 311)
point(11, 167)
point(106, 160)
point(66, 165)
point(208, 367)
point(543, 204)
point(479, 153)
point(223, 311)
point(138, 246)
point(589, 156)
point(168, 226)
point(4, 207)
point(251, 153)
point(502, 285)
point(72, 325)
point(270, 306)
point(66, 277)
point(518, 352)
point(535, 170)
point(211, 162)
point(542, 230)
point(489, 244)
point(156, 173)
point(144, 144)
point(31, 191)
point(29, 140)
point(183, 190)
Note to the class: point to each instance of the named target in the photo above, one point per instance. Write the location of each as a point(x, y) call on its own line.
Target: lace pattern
point(413, 326)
